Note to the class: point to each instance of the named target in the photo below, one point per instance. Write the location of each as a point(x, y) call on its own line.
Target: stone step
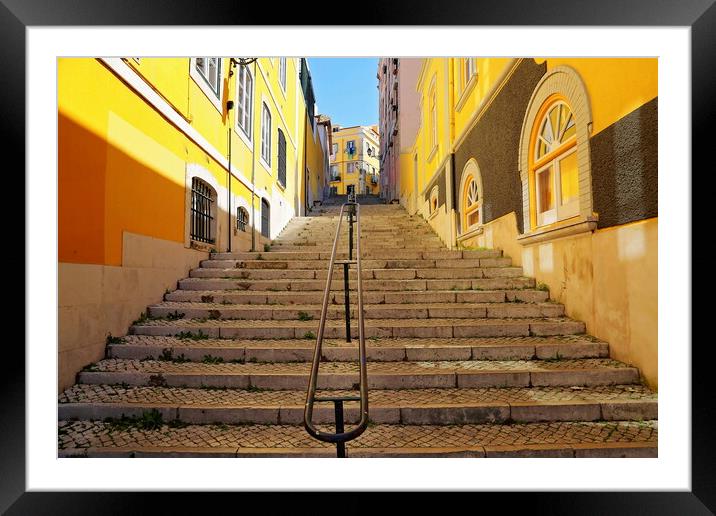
point(366, 274)
point(378, 350)
point(567, 439)
point(180, 310)
point(298, 285)
point(377, 254)
point(381, 375)
point(406, 406)
point(335, 328)
point(461, 263)
point(258, 297)
point(365, 248)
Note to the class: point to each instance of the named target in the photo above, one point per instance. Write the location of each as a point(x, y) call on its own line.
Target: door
point(265, 218)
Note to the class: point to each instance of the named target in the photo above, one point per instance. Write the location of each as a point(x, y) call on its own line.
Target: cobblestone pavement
point(83, 393)
point(83, 434)
point(147, 366)
point(163, 341)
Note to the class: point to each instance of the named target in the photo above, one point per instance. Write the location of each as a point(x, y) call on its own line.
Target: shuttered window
point(265, 218)
point(281, 158)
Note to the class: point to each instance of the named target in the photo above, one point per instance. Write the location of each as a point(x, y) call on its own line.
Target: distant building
point(354, 160)
point(399, 118)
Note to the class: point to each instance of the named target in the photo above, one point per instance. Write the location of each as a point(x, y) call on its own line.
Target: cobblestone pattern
point(156, 366)
point(147, 340)
point(404, 397)
point(83, 434)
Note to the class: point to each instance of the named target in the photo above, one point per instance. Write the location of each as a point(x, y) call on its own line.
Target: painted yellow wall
point(616, 87)
point(122, 169)
point(607, 278)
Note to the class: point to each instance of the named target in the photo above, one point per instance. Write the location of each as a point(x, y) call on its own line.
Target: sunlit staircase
point(467, 357)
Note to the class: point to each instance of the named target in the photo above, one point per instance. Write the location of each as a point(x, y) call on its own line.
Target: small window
point(282, 72)
point(244, 100)
point(434, 200)
point(468, 70)
point(242, 219)
point(265, 218)
point(433, 113)
point(335, 175)
point(334, 149)
point(210, 69)
point(351, 148)
point(351, 168)
point(202, 219)
point(266, 135)
point(472, 204)
point(281, 158)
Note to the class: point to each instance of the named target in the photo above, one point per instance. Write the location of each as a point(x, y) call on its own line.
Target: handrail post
point(340, 446)
point(341, 436)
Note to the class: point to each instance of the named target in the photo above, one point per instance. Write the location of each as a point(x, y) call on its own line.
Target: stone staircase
point(467, 357)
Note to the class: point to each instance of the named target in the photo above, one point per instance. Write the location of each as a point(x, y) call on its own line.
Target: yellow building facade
point(162, 160)
point(555, 162)
point(354, 162)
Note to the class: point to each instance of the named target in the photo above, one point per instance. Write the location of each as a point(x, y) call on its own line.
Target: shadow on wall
point(120, 242)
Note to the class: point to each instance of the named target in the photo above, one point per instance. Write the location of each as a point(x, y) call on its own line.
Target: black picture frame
point(700, 15)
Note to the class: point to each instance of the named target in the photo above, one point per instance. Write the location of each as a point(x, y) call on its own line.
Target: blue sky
point(346, 89)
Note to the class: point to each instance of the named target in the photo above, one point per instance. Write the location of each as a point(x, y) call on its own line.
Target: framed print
point(320, 250)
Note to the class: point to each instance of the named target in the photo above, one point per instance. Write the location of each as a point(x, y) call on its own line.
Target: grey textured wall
point(625, 168)
point(495, 141)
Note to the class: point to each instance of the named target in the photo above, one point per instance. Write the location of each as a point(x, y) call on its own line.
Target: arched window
point(203, 200)
point(434, 200)
point(554, 159)
point(242, 218)
point(470, 197)
point(265, 218)
point(553, 167)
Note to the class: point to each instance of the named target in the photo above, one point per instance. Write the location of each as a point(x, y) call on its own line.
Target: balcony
point(336, 178)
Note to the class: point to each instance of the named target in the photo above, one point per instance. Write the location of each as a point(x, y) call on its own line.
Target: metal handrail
point(340, 437)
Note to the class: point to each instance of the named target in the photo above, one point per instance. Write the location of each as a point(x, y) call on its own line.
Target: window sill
point(575, 228)
point(266, 166)
point(466, 92)
point(280, 185)
point(244, 137)
point(472, 233)
point(432, 153)
point(433, 214)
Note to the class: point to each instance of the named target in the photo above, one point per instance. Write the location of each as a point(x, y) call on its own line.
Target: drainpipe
point(229, 107)
point(253, 170)
point(449, 178)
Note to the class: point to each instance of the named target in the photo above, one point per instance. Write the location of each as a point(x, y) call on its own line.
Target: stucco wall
point(97, 300)
point(607, 278)
point(625, 168)
point(494, 143)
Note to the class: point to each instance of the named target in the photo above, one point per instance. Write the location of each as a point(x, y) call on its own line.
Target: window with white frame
point(282, 72)
point(554, 166)
point(334, 150)
point(210, 70)
point(468, 71)
point(471, 197)
point(351, 168)
point(266, 135)
point(433, 114)
point(244, 102)
point(334, 173)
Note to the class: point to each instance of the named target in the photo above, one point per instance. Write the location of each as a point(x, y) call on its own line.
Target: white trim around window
point(244, 104)
point(266, 129)
point(214, 92)
point(282, 72)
